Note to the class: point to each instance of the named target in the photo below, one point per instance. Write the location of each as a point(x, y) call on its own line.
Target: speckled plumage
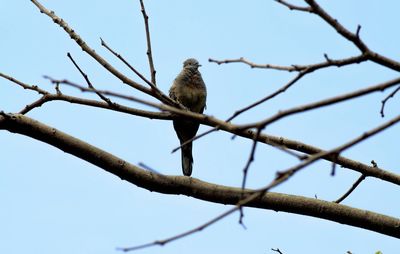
point(188, 89)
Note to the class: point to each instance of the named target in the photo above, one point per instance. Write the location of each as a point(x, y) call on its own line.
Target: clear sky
point(52, 202)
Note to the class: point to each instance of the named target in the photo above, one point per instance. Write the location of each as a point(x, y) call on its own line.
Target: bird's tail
point(187, 159)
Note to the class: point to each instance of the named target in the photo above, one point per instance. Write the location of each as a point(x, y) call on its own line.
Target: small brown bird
point(189, 90)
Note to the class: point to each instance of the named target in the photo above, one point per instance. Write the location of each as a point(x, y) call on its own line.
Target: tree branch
point(352, 37)
point(193, 187)
point(353, 187)
point(323, 103)
point(71, 32)
point(149, 51)
point(86, 77)
point(220, 125)
point(297, 67)
point(384, 101)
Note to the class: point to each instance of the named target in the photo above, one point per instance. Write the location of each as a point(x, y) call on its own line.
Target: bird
point(189, 90)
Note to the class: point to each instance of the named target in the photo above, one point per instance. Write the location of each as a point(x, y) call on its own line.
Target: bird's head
point(191, 63)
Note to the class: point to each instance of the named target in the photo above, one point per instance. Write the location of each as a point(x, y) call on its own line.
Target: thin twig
point(252, 65)
point(246, 170)
point(268, 97)
point(90, 85)
point(145, 166)
point(182, 235)
point(120, 57)
point(250, 159)
point(277, 250)
point(333, 169)
point(194, 138)
point(294, 7)
point(384, 101)
point(297, 67)
point(36, 104)
point(24, 85)
point(353, 187)
point(149, 51)
point(35, 88)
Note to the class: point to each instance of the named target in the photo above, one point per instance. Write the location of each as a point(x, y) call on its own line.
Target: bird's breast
point(192, 97)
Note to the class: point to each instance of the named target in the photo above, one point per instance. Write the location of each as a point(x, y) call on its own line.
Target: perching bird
point(189, 90)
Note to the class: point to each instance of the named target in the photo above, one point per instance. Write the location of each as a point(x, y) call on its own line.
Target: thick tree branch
point(21, 124)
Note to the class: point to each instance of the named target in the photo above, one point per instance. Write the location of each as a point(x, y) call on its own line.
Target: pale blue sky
point(55, 203)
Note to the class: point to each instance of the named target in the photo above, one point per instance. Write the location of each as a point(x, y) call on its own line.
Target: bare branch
point(277, 250)
point(149, 51)
point(316, 9)
point(252, 65)
point(36, 104)
point(297, 67)
point(85, 76)
point(384, 101)
point(193, 187)
point(47, 97)
point(345, 97)
point(251, 158)
point(238, 112)
point(294, 7)
point(268, 97)
point(120, 57)
point(285, 175)
point(159, 106)
point(353, 187)
point(24, 85)
point(97, 57)
point(353, 37)
point(181, 235)
point(281, 177)
point(302, 69)
point(222, 125)
point(35, 88)
point(81, 43)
